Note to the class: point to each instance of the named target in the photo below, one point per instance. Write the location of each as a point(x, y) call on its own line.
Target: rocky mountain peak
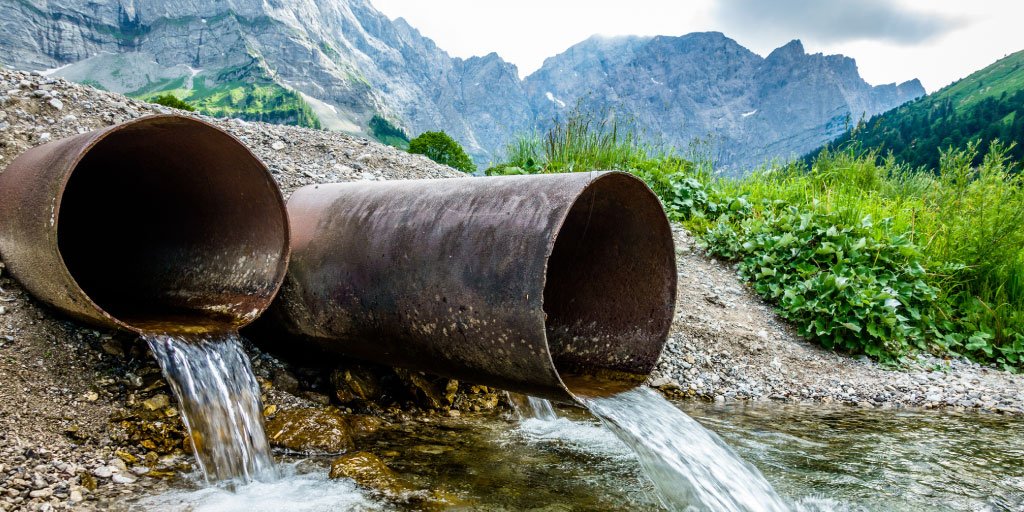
point(342, 62)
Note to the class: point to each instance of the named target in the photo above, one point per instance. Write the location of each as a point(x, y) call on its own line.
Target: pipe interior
point(610, 287)
point(172, 221)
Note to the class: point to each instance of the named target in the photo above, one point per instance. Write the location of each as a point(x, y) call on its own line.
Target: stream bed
point(818, 458)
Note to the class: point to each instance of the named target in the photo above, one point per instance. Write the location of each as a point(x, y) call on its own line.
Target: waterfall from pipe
point(690, 466)
point(212, 378)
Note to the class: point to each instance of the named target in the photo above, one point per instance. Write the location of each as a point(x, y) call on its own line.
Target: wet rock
point(310, 430)
point(430, 391)
point(367, 470)
point(356, 383)
point(362, 425)
point(157, 402)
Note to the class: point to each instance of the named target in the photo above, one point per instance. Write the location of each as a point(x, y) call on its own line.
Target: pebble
point(277, 145)
point(57, 104)
point(123, 478)
point(103, 472)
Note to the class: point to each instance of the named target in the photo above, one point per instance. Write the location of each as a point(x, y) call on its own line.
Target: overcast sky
point(937, 41)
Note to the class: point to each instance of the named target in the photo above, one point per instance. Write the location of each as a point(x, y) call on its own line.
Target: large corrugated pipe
point(150, 225)
point(551, 285)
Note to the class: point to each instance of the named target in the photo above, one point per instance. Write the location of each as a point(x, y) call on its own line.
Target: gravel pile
point(726, 343)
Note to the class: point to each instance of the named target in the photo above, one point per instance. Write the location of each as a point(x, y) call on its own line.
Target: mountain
point(705, 85)
point(985, 106)
point(339, 63)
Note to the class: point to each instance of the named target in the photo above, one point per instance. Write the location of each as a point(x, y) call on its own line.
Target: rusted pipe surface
point(551, 285)
point(159, 222)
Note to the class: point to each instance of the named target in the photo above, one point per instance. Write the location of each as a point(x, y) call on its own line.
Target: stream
point(818, 458)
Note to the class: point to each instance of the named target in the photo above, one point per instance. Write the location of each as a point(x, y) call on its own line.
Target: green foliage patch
point(861, 252)
point(441, 148)
point(170, 100)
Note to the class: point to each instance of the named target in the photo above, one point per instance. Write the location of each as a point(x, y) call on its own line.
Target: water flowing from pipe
point(213, 380)
point(690, 466)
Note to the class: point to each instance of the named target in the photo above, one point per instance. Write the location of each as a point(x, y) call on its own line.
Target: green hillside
point(243, 92)
point(983, 107)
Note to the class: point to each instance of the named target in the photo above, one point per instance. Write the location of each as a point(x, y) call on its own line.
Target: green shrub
point(170, 100)
point(441, 148)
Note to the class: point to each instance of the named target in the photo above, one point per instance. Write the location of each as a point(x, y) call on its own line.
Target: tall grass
point(891, 259)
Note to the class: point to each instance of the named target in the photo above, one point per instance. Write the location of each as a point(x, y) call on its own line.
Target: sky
point(936, 41)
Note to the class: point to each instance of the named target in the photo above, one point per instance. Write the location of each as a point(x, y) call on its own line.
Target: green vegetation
point(387, 133)
point(237, 92)
point(441, 148)
point(170, 100)
point(984, 107)
point(861, 253)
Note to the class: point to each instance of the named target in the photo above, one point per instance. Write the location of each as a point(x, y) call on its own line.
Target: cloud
point(832, 21)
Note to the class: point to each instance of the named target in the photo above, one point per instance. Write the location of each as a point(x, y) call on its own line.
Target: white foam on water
point(294, 492)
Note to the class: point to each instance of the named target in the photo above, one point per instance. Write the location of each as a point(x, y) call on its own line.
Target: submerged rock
point(310, 430)
point(367, 470)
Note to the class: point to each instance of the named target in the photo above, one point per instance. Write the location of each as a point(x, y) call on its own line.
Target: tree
point(170, 100)
point(441, 148)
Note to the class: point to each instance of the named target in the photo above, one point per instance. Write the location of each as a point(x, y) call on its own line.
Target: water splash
point(690, 466)
point(298, 491)
point(220, 404)
point(541, 409)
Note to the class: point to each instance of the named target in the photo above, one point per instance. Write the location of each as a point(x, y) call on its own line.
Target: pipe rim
point(665, 224)
point(104, 133)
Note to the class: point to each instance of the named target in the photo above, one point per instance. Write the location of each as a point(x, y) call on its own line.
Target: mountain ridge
point(348, 62)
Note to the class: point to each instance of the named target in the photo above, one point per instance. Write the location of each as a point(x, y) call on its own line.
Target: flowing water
point(690, 466)
point(818, 458)
point(212, 378)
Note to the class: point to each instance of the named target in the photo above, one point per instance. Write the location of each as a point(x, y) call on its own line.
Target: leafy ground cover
point(859, 251)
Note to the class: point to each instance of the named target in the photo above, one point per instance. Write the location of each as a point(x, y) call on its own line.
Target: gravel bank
point(727, 343)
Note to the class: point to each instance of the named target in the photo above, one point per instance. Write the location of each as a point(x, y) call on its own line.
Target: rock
point(87, 481)
point(75, 496)
point(57, 104)
point(362, 425)
point(124, 478)
point(41, 493)
point(103, 472)
point(284, 381)
point(356, 383)
point(431, 391)
point(368, 471)
point(277, 145)
point(310, 430)
point(156, 402)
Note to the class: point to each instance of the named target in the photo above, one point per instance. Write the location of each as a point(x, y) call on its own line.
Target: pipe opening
point(168, 220)
point(610, 289)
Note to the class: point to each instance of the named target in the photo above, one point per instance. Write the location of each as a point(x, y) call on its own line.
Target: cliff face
point(350, 62)
point(706, 86)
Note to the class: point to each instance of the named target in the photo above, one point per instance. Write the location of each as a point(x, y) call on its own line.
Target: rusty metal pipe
point(150, 225)
point(553, 285)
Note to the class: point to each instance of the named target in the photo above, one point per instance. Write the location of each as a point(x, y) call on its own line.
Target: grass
point(859, 251)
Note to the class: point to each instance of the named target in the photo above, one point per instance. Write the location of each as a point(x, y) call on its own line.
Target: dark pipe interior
point(611, 283)
point(173, 221)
